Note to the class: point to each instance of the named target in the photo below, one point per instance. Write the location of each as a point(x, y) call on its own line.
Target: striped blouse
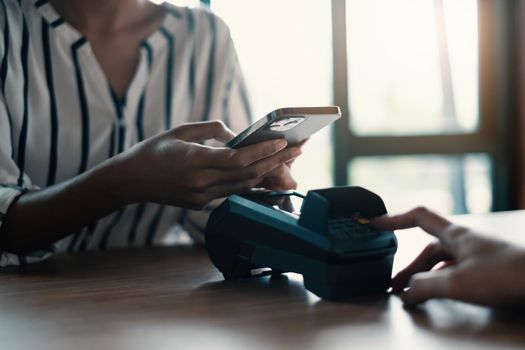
point(59, 116)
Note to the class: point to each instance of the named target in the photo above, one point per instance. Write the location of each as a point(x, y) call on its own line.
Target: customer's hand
point(173, 168)
point(462, 264)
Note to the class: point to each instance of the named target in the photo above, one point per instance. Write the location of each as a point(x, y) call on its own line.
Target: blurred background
point(427, 88)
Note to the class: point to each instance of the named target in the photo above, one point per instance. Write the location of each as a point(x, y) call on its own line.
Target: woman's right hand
point(173, 168)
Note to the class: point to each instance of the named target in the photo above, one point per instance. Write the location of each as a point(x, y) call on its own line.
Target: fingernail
point(405, 297)
point(296, 152)
point(280, 144)
point(396, 289)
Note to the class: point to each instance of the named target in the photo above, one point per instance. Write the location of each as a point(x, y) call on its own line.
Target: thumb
point(202, 131)
point(428, 285)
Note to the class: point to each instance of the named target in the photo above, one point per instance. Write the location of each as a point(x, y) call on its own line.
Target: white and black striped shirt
point(59, 116)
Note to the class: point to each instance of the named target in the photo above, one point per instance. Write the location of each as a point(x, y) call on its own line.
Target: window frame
point(497, 81)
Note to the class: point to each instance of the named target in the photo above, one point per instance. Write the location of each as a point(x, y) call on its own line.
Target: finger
point(301, 144)
point(458, 240)
point(433, 254)
point(202, 131)
point(428, 285)
point(226, 158)
point(289, 163)
point(446, 264)
point(429, 221)
point(279, 179)
point(251, 154)
point(273, 164)
point(244, 180)
point(255, 172)
point(449, 234)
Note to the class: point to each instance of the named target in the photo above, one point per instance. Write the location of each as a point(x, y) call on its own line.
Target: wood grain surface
point(174, 298)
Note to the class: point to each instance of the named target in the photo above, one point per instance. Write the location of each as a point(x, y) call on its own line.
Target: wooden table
point(173, 298)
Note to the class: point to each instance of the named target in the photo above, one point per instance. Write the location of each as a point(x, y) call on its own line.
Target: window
point(419, 82)
point(450, 184)
point(419, 77)
point(412, 66)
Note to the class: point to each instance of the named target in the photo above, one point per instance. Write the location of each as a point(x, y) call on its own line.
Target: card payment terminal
point(330, 242)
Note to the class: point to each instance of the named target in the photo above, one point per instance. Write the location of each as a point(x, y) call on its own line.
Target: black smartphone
point(294, 124)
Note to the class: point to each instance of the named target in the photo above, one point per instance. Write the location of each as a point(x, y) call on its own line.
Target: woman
point(96, 150)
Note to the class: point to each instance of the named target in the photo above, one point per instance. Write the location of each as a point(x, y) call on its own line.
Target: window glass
point(285, 50)
point(448, 184)
point(412, 66)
